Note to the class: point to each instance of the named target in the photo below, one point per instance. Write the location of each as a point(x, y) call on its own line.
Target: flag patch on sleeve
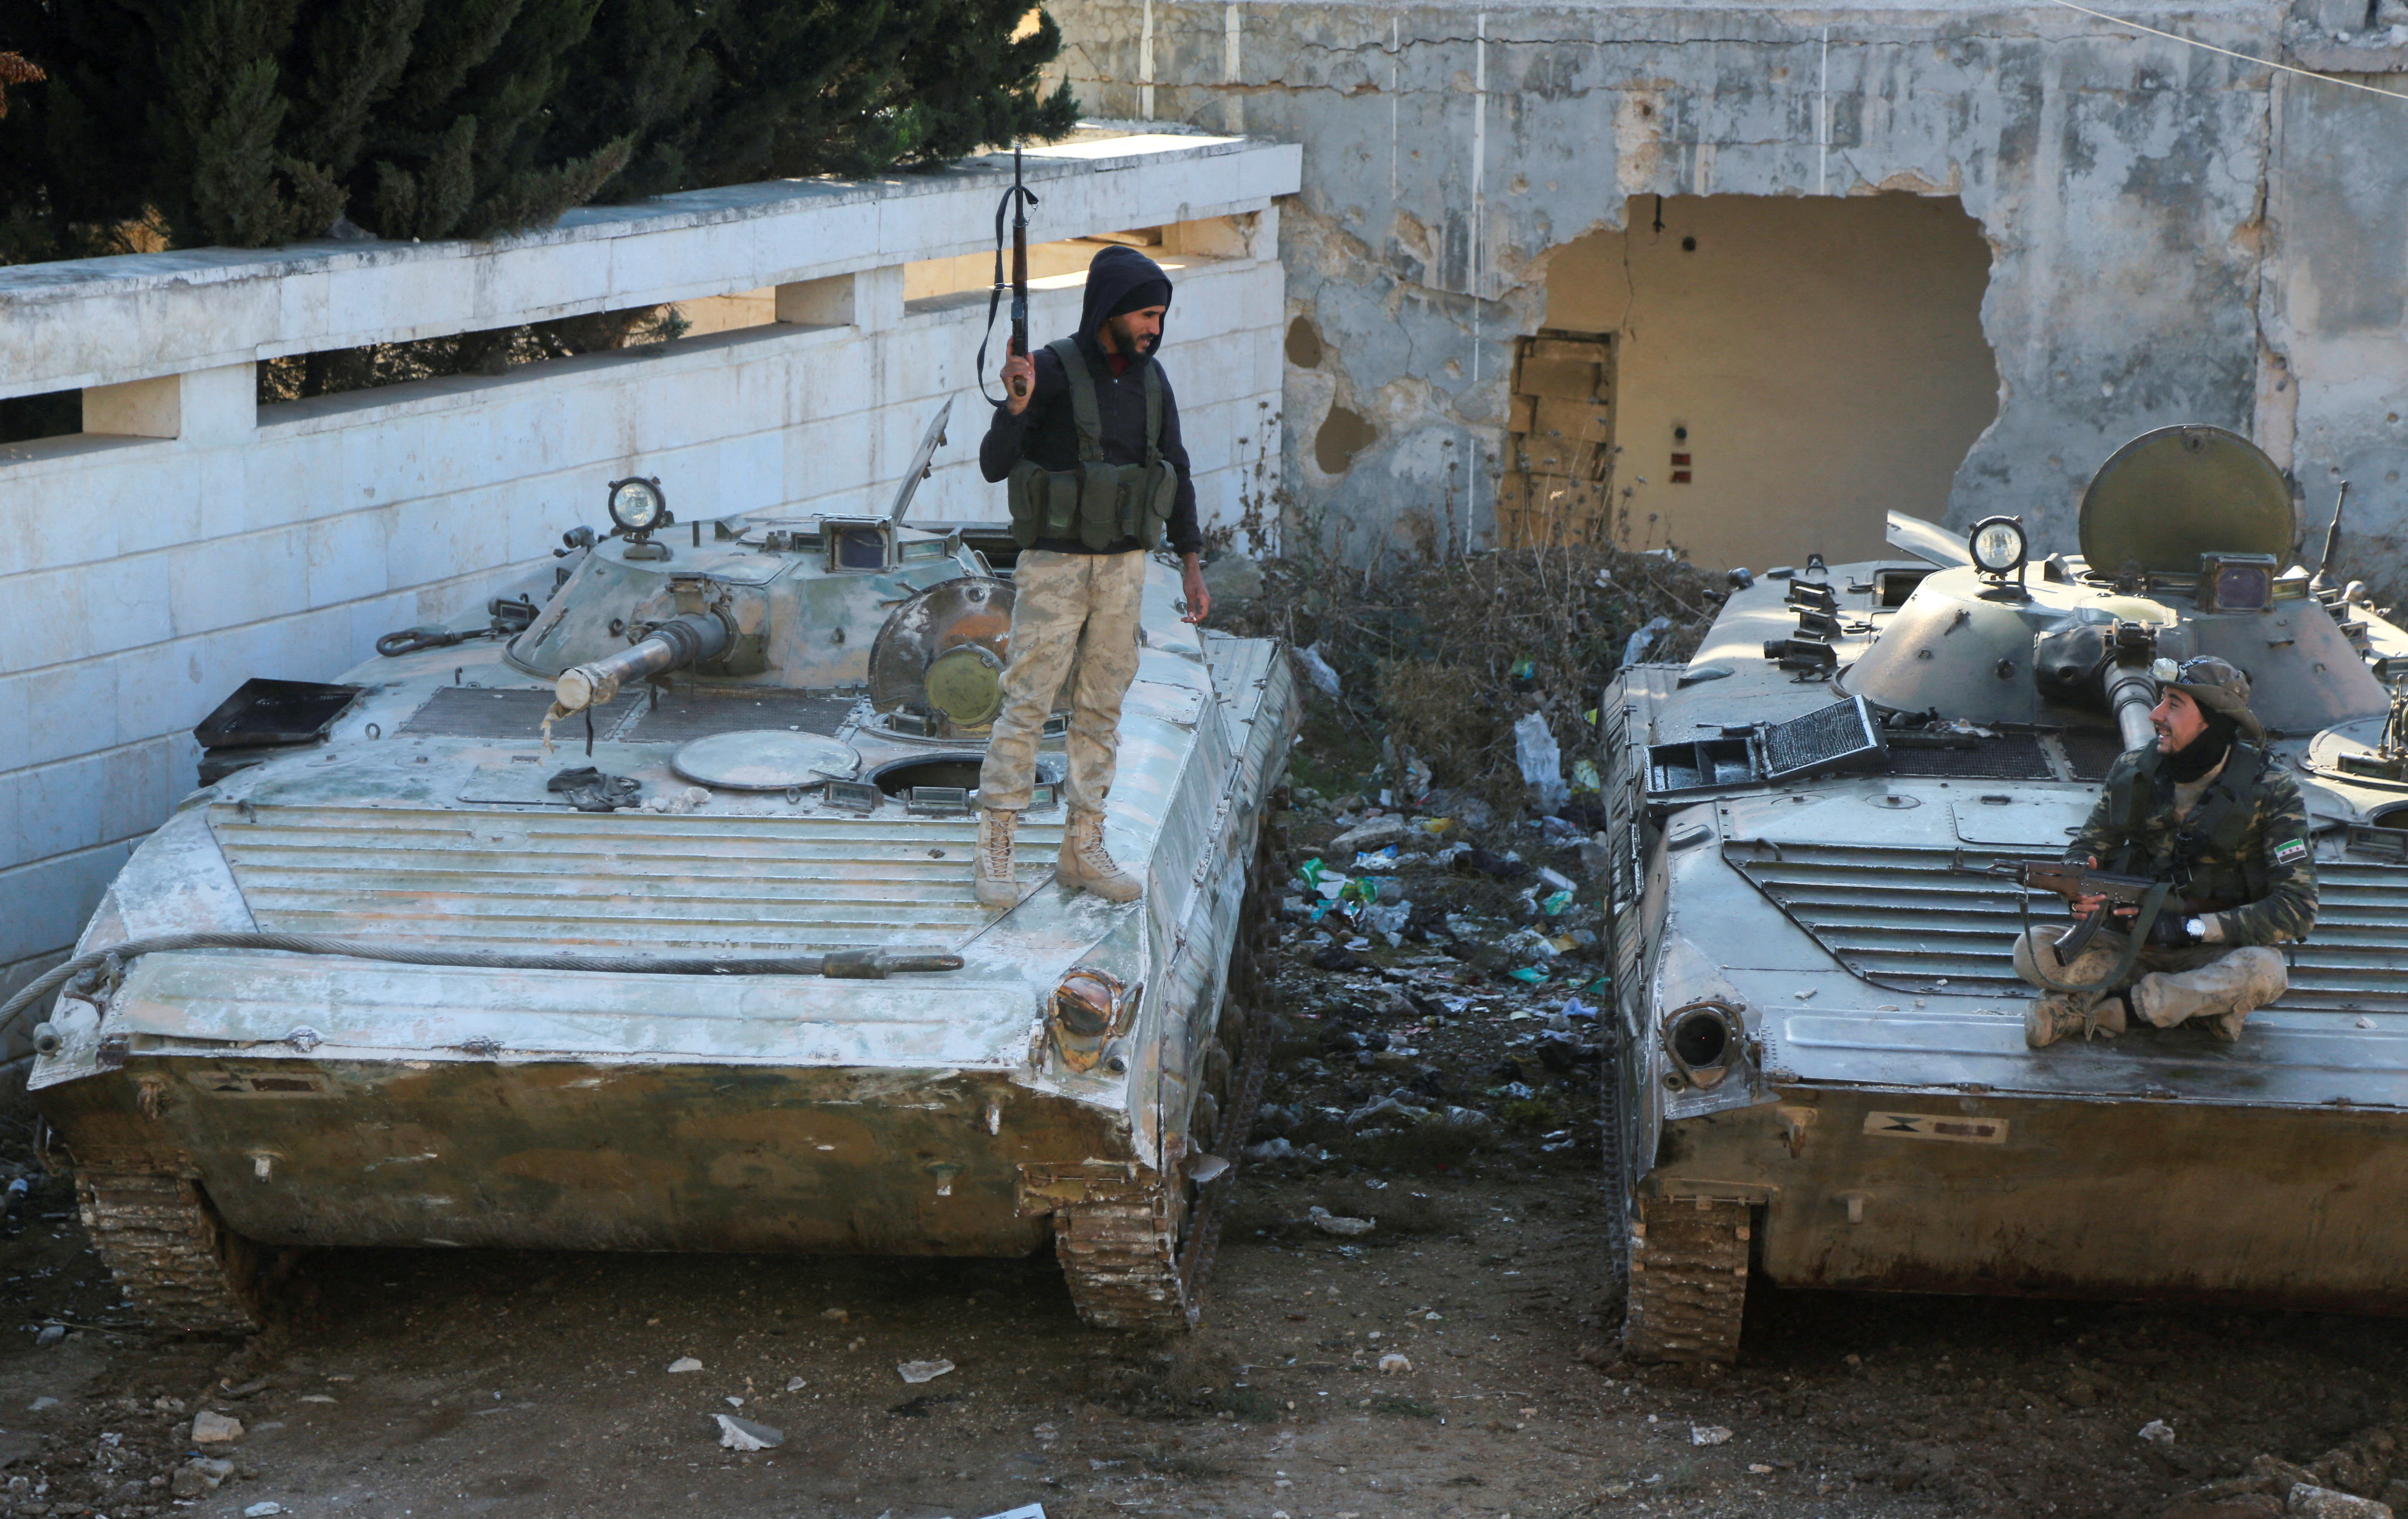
point(2292, 852)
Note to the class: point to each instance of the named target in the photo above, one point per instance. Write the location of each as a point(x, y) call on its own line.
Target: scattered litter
point(795, 1384)
point(210, 1427)
point(1276, 1149)
point(1556, 878)
point(1387, 920)
point(1335, 957)
point(1708, 1434)
point(315, 1398)
point(734, 1402)
point(1386, 1108)
point(1541, 762)
point(684, 1363)
point(38, 1404)
point(1759, 1468)
point(916, 1372)
point(261, 1511)
point(51, 1334)
point(1636, 646)
point(676, 803)
point(2157, 1432)
point(1528, 975)
point(1316, 669)
point(1328, 1223)
point(1394, 1363)
point(1370, 835)
point(1381, 859)
point(1473, 860)
point(744, 1434)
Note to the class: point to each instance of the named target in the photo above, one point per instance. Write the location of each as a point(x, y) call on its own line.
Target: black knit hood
point(1116, 272)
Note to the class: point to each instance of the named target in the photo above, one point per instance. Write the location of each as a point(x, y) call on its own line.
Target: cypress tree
point(257, 122)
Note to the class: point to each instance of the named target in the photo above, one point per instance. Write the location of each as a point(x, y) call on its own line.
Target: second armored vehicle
point(1824, 1074)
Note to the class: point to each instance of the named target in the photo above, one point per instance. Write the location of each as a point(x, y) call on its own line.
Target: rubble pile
point(2366, 1477)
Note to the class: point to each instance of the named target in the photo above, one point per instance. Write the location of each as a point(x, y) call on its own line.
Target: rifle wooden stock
point(2074, 883)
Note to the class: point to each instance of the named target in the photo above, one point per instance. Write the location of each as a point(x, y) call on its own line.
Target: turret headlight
point(1997, 545)
point(638, 506)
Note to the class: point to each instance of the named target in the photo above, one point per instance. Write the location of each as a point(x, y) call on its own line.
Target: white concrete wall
point(142, 578)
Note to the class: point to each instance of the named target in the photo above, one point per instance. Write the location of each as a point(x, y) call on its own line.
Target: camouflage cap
point(2216, 686)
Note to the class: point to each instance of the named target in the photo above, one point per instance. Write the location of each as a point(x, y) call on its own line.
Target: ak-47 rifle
point(2075, 881)
point(1014, 199)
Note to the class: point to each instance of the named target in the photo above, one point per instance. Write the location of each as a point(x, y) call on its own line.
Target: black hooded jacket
point(1045, 433)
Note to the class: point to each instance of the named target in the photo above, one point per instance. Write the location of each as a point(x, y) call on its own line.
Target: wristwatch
point(2196, 929)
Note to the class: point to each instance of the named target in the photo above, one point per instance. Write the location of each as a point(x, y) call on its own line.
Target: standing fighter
point(1087, 437)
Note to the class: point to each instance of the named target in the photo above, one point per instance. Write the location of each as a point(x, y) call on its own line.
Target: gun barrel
point(673, 645)
point(2133, 694)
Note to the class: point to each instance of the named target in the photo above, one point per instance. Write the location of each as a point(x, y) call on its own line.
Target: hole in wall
point(1826, 354)
point(1344, 434)
point(1304, 344)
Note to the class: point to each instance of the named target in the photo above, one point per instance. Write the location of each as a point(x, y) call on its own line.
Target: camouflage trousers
point(2168, 984)
point(1075, 615)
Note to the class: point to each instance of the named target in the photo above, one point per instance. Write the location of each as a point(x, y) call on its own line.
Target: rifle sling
point(2137, 936)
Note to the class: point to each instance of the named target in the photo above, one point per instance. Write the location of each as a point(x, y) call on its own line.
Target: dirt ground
point(396, 1383)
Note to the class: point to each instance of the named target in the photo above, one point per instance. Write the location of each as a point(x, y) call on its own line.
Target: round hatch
point(766, 759)
point(2170, 496)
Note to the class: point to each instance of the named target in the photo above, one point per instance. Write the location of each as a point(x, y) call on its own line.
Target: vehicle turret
point(2187, 535)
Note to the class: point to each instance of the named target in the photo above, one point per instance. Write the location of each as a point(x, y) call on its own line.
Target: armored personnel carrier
point(694, 965)
point(1823, 1078)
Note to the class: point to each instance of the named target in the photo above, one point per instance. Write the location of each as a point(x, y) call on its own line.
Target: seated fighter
point(2209, 812)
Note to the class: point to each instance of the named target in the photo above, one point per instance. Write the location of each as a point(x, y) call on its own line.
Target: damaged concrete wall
point(1784, 360)
point(2121, 181)
point(2334, 387)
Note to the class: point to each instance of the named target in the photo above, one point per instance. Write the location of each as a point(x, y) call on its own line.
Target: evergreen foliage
point(252, 122)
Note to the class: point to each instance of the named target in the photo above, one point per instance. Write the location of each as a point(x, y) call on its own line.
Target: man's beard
point(2202, 753)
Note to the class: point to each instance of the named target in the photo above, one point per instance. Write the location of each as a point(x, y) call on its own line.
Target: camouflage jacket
point(2243, 852)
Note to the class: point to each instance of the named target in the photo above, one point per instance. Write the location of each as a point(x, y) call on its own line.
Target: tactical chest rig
point(2217, 828)
point(1097, 503)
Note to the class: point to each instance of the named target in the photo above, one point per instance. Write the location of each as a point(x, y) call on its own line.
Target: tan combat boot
point(996, 888)
point(1085, 866)
point(2049, 1019)
point(2221, 994)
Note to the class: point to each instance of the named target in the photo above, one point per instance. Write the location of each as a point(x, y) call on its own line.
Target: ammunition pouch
point(1097, 503)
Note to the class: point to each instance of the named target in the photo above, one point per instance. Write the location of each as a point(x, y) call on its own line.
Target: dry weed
point(1443, 651)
